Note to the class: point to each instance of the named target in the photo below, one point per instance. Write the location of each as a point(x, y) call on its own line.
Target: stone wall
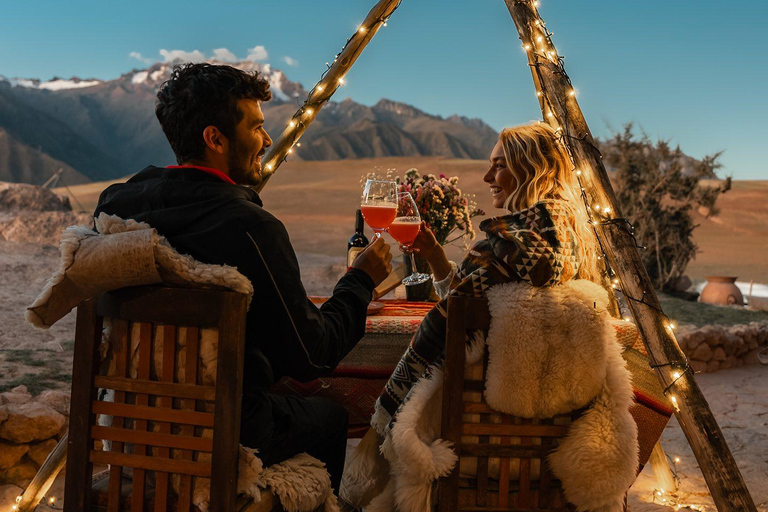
point(718, 347)
point(30, 427)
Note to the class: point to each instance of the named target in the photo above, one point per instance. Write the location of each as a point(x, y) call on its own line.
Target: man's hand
point(375, 260)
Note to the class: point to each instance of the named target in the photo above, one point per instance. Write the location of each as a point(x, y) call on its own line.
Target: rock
point(698, 366)
point(682, 284)
point(39, 452)
point(3, 413)
point(56, 399)
point(8, 495)
point(719, 354)
point(11, 453)
point(18, 395)
point(751, 357)
point(20, 474)
point(32, 421)
point(713, 366)
point(702, 353)
point(20, 196)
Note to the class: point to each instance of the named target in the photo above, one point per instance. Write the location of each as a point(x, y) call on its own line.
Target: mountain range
point(99, 130)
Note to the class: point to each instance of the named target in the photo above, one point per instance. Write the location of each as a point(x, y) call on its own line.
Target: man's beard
point(248, 176)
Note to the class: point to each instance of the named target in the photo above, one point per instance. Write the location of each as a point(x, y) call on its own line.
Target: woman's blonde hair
point(543, 170)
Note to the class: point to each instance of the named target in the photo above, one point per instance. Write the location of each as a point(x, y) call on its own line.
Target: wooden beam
point(324, 89)
point(561, 109)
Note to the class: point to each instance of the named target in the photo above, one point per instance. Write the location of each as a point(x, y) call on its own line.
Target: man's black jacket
point(218, 222)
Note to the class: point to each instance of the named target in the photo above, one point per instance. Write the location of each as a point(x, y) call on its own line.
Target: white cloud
point(224, 55)
point(139, 57)
point(172, 55)
point(257, 53)
point(290, 61)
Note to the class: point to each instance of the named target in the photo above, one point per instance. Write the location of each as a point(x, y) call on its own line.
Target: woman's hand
point(425, 244)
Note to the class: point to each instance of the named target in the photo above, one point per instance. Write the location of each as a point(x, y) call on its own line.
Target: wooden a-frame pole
point(560, 109)
point(322, 92)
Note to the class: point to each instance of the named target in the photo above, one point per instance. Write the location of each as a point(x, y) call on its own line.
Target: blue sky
point(694, 72)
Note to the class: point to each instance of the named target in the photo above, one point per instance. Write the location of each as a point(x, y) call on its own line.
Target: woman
point(545, 243)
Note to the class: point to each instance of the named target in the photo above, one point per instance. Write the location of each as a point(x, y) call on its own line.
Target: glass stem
point(413, 265)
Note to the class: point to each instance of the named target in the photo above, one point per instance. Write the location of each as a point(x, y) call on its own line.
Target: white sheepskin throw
point(551, 351)
point(122, 253)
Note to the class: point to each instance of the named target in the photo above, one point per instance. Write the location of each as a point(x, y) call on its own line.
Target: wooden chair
point(159, 416)
point(519, 446)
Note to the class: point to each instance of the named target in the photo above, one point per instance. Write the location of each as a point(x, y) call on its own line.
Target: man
point(212, 118)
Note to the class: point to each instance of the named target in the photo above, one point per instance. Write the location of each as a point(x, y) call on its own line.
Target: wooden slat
point(229, 389)
point(120, 345)
point(548, 487)
point(151, 463)
point(478, 408)
point(143, 372)
point(79, 468)
point(190, 377)
point(453, 384)
point(495, 429)
point(207, 393)
point(155, 304)
point(474, 386)
point(524, 494)
point(513, 450)
point(200, 419)
point(163, 440)
point(504, 463)
point(481, 498)
point(168, 365)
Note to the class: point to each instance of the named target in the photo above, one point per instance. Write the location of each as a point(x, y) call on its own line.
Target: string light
point(527, 47)
point(317, 101)
point(578, 172)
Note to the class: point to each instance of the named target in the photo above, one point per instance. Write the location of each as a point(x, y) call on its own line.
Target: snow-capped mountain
point(104, 129)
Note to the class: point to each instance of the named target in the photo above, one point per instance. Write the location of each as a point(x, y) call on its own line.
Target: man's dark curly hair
point(201, 95)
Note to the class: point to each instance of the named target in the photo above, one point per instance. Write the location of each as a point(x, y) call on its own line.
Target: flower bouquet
point(441, 205)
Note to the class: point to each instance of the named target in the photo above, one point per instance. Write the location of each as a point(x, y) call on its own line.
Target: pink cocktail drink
point(404, 230)
point(379, 217)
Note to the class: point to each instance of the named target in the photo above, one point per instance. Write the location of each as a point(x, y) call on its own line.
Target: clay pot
point(722, 290)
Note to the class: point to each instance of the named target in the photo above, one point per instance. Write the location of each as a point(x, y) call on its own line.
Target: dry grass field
point(317, 200)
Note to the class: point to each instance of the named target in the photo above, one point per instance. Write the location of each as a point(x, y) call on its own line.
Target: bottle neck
point(359, 224)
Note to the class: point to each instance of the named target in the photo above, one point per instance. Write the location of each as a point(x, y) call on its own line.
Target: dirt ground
point(317, 200)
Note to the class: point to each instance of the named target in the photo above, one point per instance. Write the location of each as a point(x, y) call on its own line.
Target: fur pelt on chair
point(551, 351)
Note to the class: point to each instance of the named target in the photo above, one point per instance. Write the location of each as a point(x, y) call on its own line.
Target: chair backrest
point(159, 414)
point(507, 453)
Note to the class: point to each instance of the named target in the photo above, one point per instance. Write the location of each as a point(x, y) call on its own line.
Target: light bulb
point(578, 173)
point(536, 3)
point(290, 150)
point(551, 114)
point(539, 39)
point(527, 47)
point(361, 30)
point(676, 375)
point(539, 94)
point(309, 111)
point(341, 81)
point(319, 87)
point(627, 319)
point(298, 144)
point(385, 23)
point(51, 500)
point(572, 93)
point(269, 167)
point(606, 210)
point(677, 459)
point(597, 207)
point(292, 124)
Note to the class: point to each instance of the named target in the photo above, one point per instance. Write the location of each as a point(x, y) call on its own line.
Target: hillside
point(317, 200)
point(106, 129)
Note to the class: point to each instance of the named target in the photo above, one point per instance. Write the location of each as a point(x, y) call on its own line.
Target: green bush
point(657, 186)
